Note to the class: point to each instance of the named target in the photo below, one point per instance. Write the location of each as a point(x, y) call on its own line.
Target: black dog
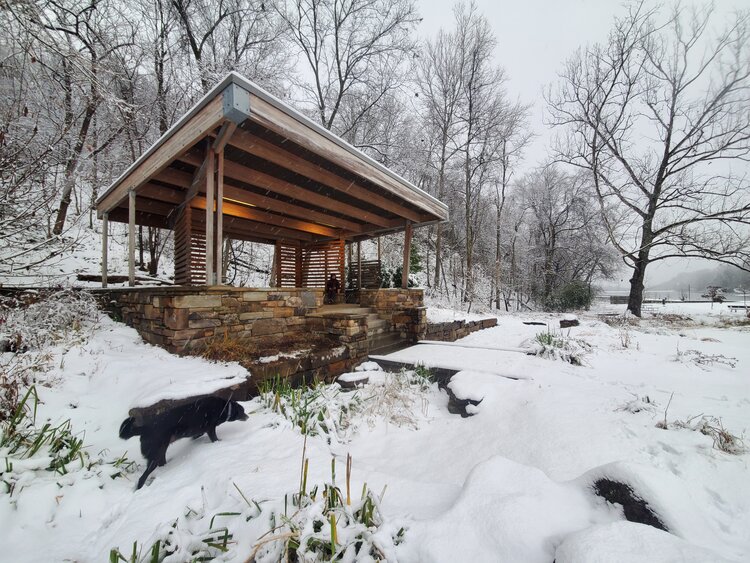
point(191, 420)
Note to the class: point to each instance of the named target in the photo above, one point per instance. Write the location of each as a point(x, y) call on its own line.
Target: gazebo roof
point(285, 178)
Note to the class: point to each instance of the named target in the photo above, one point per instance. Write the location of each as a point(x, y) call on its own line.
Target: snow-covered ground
point(512, 483)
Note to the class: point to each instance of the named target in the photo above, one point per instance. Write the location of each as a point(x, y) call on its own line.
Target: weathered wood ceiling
point(285, 178)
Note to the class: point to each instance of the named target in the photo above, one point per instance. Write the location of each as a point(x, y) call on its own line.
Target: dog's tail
point(128, 429)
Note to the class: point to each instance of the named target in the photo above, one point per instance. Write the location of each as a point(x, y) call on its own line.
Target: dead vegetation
point(30, 323)
point(226, 348)
point(713, 427)
point(18, 372)
point(703, 360)
point(639, 404)
point(735, 323)
point(618, 320)
point(673, 318)
point(38, 321)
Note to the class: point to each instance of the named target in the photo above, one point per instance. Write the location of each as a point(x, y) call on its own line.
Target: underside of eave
point(359, 183)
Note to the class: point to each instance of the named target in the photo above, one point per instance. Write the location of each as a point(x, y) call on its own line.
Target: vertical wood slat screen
point(287, 274)
point(371, 277)
point(189, 250)
point(309, 265)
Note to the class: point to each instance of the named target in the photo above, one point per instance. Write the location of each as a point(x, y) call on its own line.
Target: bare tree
point(566, 230)
point(439, 79)
point(482, 106)
point(659, 118)
point(515, 136)
point(228, 35)
point(76, 45)
point(354, 51)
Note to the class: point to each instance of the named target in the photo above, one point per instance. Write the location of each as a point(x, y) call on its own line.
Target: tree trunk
point(72, 163)
point(441, 192)
point(635, 298)
point(438, 260)
point(141, 262)
point(468, 284)
point(154, 250)
point(497, 258)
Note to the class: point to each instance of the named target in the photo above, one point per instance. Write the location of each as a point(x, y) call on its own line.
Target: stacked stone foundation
point(183, 320)
point(186, 320)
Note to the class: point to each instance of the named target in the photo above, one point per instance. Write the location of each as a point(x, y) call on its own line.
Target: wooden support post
point(105, 246)
point(210, 204)
point(298, 266)
point(378, 248)
point(359, 265)
point(407, 253)
point(342, 272)
point(131, 238)
point(219, 216)
point(277, 263)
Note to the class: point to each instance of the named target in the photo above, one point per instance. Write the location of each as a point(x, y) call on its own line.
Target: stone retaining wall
point(451, 331)
point(403, 308)
point(185, 319)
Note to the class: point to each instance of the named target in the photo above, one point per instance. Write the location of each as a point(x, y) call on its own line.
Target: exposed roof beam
point(232, 210)
point(120, 215)
point(252, 214)
point(199, 179)
point(238, 225)
point(287, 126)
point(178, 178)
point(271, 152)
point(270, 183)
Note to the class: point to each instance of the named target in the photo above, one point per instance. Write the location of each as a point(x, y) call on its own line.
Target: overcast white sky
point(534, 39)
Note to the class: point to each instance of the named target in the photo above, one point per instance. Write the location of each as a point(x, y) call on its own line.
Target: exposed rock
point(634, 507)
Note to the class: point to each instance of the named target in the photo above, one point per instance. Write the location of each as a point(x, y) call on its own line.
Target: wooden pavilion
point(243, 165)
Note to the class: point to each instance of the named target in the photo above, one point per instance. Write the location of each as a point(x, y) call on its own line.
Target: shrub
point(392, 278)
point(557, 346)
point(574, 295)
point(59, 317)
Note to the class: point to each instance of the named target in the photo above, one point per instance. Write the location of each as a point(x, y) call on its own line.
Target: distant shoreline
point(676, 295)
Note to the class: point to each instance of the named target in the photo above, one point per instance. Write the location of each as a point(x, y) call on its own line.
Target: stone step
point(386, 343)
point(341, 309)
point(376, 324)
